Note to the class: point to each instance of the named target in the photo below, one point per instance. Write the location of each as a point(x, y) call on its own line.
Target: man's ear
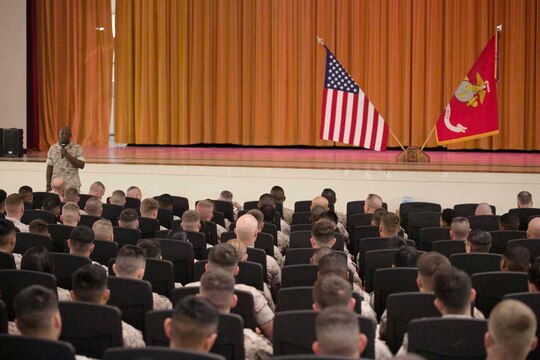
point(487, 341)
point(72, 295)
point(57, 322)
point(362, 343)
point(352, 303)
point(206, 267)
point(140, 273)
point(106, 296)
point(69, 243)
point(234, 301)
point(534, 343)
point(236, 270)
point(92, 246)
point(419, 282)
point(380, 228)
point(316, 348)
point(114, 268)
point(167, 327)
point(439, 305)
point(532, 288)
point(312, 242)
point(209, 341)
point(61, 218)
point(473, 295)
point(315, 307)
point(332, 242)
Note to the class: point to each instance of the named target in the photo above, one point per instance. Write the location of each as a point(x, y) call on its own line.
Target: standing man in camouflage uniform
point(64, 160)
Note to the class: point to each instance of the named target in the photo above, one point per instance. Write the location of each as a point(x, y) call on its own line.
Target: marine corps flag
point(472, 113)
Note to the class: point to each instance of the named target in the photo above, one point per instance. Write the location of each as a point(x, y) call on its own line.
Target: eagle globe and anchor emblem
point(469, 93)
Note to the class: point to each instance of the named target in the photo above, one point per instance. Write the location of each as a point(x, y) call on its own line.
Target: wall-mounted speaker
point(12, 142)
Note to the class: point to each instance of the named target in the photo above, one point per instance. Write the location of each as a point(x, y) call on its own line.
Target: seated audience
point(94, 207)
point(524, 199)
point(389, 225)
point(27, 193)
point(97, 189)
point(268, 199)
point(406, 256)
point(266, 215)
point(118, 197)
point(533, 230)
point(460, 228)
point(15, 211)
point(90, 285)
point(534, 278)
point(319, 253)
point(377, 216)
point(278, 194)
point(478, 241)
point(71, 214)
point(103, 230)
point(331, 216)
point(134, 192)
point(330, 195)
point(315, 213)
point(205, 209)
point(166, 202)
point(453, 292)
point(52, 205)
point(191, 221)
point(39, 227)
point(58, 186)
point(149, 209)
point(483, 209)
point(81, 243)
point(152, 248)
point(516, 258)
point(447, 216)
point(511, 331)
point(129, 219)
point(71, 195)
point(8, 238)
point(372, 203)
point(509, 221)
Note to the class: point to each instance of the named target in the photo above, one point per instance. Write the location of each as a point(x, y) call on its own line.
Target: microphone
point(63, 146)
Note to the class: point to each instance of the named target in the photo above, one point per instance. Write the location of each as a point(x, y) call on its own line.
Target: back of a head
point(266, 213)
point(512, 330)
point(103, 229)
point(51, 204)
point(533, 229)
point(338, 333)
point(37, 259)
point(3, 196)
point(151, 248)
point(39, 226)
point(322, 233)
point(130, 260)
point(452, 287)
point(332, 290)
point(240, 248)
point(319, 253)
point(7, 233)
point(330, 195)
point(89, 283)
point(246, 229)
point(134, 192)
point(118, 197)
point(447, 216)
point(190, 220)
point(509, 221)
point(148, 207)
point(266, 199)
point(517, 258)
point(333, 264)
point(278, 194)
point(315, 214)
point(35, 309)
point(524, 199)
point(226, 195)
point(93, 206)
point(80, 239)
point(479, 241)
point(428, 264)
point(373, 202)
point(128, 218)
point(329, 215)
point(26, 192)
point(460, 228)
point(378, 215)
point(534, 277)
point(14, 205)
point(166, 201)
point(194, 321)
point(406, 256)
point(177, 234)
point(319, 201)
point(58, 185)
point(97, 189)
point(390, 223)
point(71, 194)
point(71, 213)
point(218, 287)
point(223, 256)
point(483, 209)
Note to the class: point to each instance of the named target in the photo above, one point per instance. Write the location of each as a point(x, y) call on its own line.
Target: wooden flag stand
point(414, 153)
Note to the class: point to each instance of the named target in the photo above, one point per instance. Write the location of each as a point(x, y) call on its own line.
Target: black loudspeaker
point(12, 142)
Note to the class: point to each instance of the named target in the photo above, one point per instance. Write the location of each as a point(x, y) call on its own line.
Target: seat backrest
point(209, 229)
point(301, 227)
point(468, 343)
point(89, 220)
point(359, 233)
point(258, 256)
point(227, 235)
point(132, 203)
point(148, 227)
point(473, 263)
point(265, 242)
point(420, 220)
point(289, 324)
point(83, 198)
point(401, 309)
point(294, 298)
point(270, 229)
point(524, 215)
point(250, 273)
point(198, 240)
point(374, 243)
point(357, 207)
point(165, 217)
point(59, 235)
point(449, 247)
point(132, 297)
point(160, 273)
point(302, 239)
point(30, 215)
point(532, 300)
point(301, 217)
point(24, 347)
point(102, 327)
point(500, 238)
point(219, 218)
point(7, 261)
point(411, 207)
point(26, 241)
point(65, 265)
point(154, 334)
point(226, 208)
point(467, 210)
point(428, 235)
point(358, 220)
point(112, 212)
point(492, 286)
point(376, 259)
point(249, 205)
point(180, 205)
point(125, 236)
point(391, 281)
point(230, 340)
point(533, 245)
point(302, 206)
point(181, 254)
point(484, 222)
point(39, 196)
point(3, 318)
point(299, 275)
point(104, 250)
point(157, 353)
point(13, 281)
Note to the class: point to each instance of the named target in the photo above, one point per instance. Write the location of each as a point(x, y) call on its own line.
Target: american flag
point(347, 114)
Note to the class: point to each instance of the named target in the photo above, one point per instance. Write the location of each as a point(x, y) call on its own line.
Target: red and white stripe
point(352, 119)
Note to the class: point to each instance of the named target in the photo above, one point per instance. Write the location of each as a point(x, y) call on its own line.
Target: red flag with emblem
point(472, 113)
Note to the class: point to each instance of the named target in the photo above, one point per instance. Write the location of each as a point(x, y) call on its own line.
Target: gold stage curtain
point(75, 53)
point(251, 72)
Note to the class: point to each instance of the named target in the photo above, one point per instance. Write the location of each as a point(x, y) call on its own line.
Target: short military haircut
point(129, 260)
point(7, 231)
point(377, 216)
point(337, 331)
point(406, 256)
point(194, 319)
point(517, 258)
point(266, 199)
point(453, 288)
point(70, 212)
point(331, 290)
point(269, 213)
point(509, 221)
point(177, 234)
point(39, 226)
point(26, 192)
point(329, 215)
point(51, 203)
point(223, 256)
point(524, 198)
point(534, 275)
point(151, 248)
point(93, 206)
point(333, 263)
point(148, 205)
point(390, 222)
point(323, 233)
point(512, 328)
point(259, 216)
point(479, 240)
point(448, 215)
point(460, 227)
point(81, 238)
point(35, 307)
point(97, 185)
point(13, 202)
point(118, 197)
point(278, 193)
point(129, 216)
point(240, 248)
point(374, 201)
point(71, 194)
point(226, 195)
point(319, 253)
point(190, 217)
point(218, 287)
point(102, 229)
point(37, 259)
point(89, 283)
point(428, 264)
point(166, 201)
point(315, 214)
point(330, 195)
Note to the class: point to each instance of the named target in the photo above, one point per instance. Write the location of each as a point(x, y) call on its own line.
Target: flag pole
point(395, 138)
point(429, 136)
point(498, 31)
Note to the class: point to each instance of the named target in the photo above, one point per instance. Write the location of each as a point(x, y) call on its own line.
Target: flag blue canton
point(337, 77)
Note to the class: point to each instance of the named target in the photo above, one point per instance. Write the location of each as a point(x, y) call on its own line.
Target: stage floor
point(306, 158)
